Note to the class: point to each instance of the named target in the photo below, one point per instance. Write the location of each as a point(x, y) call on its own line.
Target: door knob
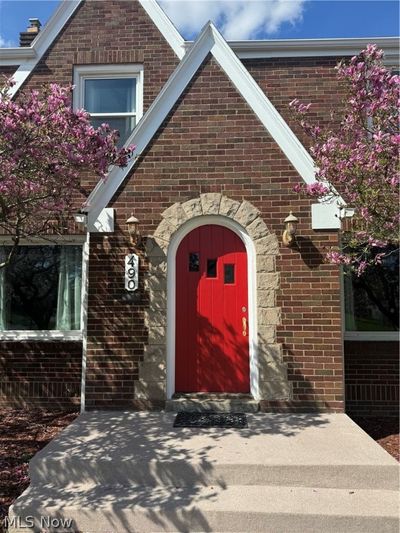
point(244, 326)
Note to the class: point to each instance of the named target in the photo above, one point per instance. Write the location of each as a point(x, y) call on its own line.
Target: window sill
point(383, 336)
point(41, 335)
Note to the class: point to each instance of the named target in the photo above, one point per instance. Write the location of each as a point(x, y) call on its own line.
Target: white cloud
point(236, 19)
point(4, 43)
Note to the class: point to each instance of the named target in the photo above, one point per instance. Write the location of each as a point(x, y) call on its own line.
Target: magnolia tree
point(45, 146)
point(358, 160)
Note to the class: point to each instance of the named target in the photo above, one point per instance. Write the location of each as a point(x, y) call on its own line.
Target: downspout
point(84, 308)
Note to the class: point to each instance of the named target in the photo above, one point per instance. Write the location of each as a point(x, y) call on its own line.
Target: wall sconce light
point(288, 237)
point(133, 229)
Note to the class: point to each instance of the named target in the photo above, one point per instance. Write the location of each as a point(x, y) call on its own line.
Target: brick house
point(222, 305)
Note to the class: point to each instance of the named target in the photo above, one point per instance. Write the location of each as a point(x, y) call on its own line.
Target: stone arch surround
point(272, 377)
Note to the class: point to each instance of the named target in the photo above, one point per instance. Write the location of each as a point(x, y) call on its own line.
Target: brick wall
point(372, 378)
point(212, 142)
point(310, 79)
point(34, 374)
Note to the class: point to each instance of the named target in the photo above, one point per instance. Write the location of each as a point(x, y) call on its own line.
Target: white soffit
point(28, 57)
point(209, 40)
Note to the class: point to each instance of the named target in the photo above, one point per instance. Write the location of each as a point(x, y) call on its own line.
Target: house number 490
point(131, 272)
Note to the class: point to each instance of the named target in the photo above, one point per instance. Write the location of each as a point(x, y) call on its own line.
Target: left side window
point(40, 289)
point(112, 94)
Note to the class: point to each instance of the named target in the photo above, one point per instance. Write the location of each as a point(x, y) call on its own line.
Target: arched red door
point(212, 346)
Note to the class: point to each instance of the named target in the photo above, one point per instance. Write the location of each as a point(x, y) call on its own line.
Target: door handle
point(244, 326)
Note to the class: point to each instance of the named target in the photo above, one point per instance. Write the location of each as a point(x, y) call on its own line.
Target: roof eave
point(331, 47)
point(16, 56)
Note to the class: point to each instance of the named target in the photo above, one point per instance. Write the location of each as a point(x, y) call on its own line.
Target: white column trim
point(84, 315)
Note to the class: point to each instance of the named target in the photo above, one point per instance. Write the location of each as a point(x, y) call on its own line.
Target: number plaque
point(131, 272)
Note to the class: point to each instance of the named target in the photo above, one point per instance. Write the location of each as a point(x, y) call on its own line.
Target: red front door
point(212, 346)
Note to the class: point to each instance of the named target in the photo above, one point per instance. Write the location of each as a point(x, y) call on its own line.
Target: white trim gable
point(165, 26)
point(44, 39)
point(209, 41)
point(60, 18)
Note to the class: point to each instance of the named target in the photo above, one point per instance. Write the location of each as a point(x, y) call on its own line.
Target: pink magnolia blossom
point(359, 157)
point(45, 148)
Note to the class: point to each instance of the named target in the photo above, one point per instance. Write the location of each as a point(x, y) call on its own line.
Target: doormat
point(210, 420)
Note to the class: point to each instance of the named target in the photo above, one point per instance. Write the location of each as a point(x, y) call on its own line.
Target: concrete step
point(327, 451)
point(221, 403)
point(186, 473)
point(119, 509)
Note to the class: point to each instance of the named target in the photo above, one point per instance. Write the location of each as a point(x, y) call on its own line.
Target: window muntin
point(371, 301)
point(41, 289)
point(112, 94)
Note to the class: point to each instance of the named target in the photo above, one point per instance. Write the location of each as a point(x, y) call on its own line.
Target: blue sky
point(243, 19)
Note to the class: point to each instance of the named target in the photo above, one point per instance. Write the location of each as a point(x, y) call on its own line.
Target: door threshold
point(213, 396)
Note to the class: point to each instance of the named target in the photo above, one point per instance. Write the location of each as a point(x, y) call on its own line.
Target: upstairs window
point(112, 94)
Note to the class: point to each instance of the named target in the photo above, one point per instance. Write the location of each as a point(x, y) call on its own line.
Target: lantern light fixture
point(133, 229)
point(289, 234)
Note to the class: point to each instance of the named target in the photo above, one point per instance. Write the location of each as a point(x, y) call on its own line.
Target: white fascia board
point(44, 39)
point(151, 121)
point(16, 56)
point(165, 26)
point(336, 47)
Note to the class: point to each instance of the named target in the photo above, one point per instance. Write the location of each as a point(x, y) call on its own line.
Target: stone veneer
point(273, 381)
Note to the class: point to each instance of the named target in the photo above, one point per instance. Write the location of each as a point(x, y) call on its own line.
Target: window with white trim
point(41, 288)
point(371, 301)
point(112, 94)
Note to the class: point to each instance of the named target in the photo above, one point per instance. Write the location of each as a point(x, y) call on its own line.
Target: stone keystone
point(246, 214)
point(210, 203)
point(193, 208)
point(228, 207)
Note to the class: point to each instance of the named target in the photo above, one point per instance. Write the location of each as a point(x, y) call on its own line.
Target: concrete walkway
point(112, 472)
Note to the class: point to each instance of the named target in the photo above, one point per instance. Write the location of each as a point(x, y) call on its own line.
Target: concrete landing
point(127, 472)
